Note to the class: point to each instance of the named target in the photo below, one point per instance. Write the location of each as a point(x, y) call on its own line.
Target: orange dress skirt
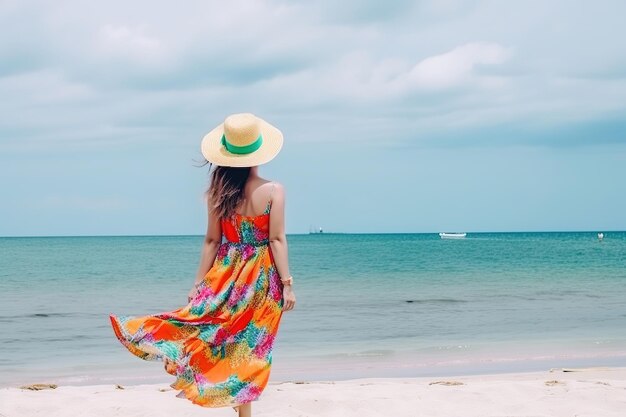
point(219, 346)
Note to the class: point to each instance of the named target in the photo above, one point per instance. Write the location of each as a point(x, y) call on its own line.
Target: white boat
point(452, 235)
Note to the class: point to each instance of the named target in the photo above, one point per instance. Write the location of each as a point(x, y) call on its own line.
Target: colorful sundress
point(219, 346)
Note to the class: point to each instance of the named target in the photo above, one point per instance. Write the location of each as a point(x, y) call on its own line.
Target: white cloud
point(131, 43)
point(361, 76)
point(456, 66)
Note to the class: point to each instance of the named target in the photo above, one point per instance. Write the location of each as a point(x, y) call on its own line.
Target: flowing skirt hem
point(188, 389)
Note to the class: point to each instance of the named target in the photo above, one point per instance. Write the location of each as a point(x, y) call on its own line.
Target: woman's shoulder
point(271, 184)
point(274, 189)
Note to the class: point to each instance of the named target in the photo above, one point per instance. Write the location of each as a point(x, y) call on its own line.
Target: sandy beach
point(581, 392)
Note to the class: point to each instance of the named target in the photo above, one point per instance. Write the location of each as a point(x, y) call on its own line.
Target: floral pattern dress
point(219, 346)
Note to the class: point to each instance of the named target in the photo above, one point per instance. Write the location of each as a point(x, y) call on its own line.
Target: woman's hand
point(289, 298)
point(193, 292)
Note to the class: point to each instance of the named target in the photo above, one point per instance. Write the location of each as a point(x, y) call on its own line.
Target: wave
point(79, 338)
point(437, 300)
point(47, 315)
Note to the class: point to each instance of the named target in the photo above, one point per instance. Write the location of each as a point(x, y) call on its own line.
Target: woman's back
point(257, 195)
point(253, 229)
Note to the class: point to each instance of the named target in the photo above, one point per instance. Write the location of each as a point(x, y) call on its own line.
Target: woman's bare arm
point(211, 243)
point(277, 237)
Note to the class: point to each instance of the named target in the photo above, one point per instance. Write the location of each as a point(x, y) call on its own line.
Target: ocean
point(368, 305)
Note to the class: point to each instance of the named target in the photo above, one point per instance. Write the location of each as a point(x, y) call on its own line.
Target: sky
point(404, 116)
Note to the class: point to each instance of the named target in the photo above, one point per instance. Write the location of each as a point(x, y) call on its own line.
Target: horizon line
point(329, 233)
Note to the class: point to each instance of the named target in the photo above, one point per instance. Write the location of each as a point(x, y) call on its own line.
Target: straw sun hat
point(243, 140)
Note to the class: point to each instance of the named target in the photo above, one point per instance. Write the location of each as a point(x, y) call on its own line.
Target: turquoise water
point(367, 304)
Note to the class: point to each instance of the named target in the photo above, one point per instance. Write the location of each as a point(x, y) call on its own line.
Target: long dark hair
point(226, 188)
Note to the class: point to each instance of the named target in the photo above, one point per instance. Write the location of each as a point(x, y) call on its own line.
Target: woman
point(219, 346)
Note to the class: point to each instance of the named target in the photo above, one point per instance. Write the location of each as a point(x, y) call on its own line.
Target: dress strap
point(269, 201)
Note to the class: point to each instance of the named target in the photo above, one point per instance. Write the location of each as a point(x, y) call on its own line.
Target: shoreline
point(340, 369)
point(132, 371)
point(593, 391)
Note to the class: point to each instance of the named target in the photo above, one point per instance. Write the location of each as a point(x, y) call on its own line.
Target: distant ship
point(600, 236)
point(452, 235)
point(313, 231)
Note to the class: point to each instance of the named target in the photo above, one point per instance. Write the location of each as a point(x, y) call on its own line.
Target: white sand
point(590, 392)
